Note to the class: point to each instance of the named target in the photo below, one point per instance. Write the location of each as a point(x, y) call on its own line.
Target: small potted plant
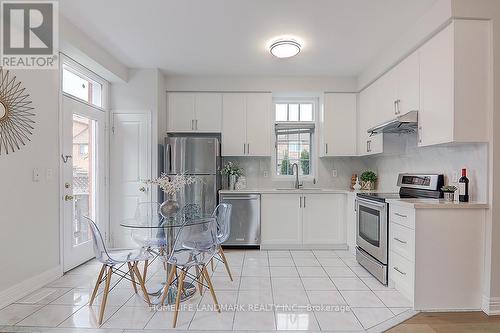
point(232, 171)
point(368, 179)
point(449, 192)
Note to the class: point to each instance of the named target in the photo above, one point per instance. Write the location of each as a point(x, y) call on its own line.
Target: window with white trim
point(81, 86)
point(294, 132)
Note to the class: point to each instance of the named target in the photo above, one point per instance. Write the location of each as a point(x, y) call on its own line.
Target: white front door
point(84, 169)
point(130, 161)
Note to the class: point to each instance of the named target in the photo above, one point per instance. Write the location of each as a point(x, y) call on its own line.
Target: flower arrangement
point(232, 169)
point(368, 179)
point(172, 184)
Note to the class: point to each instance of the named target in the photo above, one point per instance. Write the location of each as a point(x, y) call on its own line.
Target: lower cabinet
point(302, 221)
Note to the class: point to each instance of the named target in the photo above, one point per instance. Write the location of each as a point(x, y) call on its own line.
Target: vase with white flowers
point(171, 185)
point(232, 171)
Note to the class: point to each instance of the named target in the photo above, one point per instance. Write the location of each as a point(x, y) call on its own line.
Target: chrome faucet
point(297, 184)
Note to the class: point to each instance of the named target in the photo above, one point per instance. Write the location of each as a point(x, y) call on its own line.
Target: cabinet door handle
point(399, 240)
point(400, 215)
point(248, 148)
point(395, 107)
point(398, 110)
point(419, 134)
point(244, 148)
point(326, 148)
point(399, 271)
point(300, 202)
point(368, 146)
point(304, 202)
point(196, 124)
point(192, 124)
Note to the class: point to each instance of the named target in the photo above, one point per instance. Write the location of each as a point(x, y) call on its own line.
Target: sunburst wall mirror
point(16, 114)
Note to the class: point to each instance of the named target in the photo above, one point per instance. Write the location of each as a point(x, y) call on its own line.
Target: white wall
point(402, 155)
point(29, 211)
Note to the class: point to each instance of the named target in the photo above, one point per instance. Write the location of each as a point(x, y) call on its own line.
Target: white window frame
point(86, 73)
point(314, 138)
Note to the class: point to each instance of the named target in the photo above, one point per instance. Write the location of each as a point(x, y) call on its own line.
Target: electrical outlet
point(266, 174)
point(49, 174)
point(334, 173)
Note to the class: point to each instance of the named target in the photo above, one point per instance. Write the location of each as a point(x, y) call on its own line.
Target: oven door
point(371, 228)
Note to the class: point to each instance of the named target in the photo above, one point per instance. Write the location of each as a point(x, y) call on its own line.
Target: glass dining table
point(158, 233)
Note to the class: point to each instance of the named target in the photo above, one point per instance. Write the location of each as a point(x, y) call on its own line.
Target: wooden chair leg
point(145, 270)
point(180, 285)
point(97, 284)
point(131, 272)
point(167, 286)
point(221, 252)
point(141, 282)
point(199, 278)
point(209, 282)
point(105, 295)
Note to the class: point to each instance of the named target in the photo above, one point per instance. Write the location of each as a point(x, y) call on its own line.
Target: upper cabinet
point(455, 89)
point(194, 112)
point(368, 100)
point(246, 124)
point(339, 125)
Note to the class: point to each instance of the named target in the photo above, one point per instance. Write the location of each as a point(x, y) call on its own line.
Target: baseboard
point(491, 306)
point(28, 286)
point(274, 246)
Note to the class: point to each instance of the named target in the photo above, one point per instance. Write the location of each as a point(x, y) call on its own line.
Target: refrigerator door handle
point(168, 159)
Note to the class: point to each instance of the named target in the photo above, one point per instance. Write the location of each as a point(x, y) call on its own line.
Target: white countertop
point(437, 204)
point(411, 203)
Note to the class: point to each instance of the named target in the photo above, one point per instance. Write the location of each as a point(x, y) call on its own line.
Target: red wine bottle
point(463, 187)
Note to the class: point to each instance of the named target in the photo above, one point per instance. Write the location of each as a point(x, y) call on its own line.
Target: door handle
point(304, 202)
point(326, 148)
point(300, 202)
point(399, 240)
point(400, 215)
point(244, 148)
point(397, 106)
point(248, 148)
point(68, 197)
point(196, 124)
point(399, 271)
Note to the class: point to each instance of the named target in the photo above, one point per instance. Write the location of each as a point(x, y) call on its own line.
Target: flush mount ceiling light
point(285, 47)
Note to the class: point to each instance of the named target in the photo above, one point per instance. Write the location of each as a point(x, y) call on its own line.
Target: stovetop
point(382, 196)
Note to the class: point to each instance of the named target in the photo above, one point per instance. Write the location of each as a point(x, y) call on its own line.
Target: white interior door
point(130, 165)
point(84, 170)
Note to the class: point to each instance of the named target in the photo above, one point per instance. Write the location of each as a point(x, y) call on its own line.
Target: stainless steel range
point(372, 225)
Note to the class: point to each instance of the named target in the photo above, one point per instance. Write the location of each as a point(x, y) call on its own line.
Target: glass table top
point(159, 222)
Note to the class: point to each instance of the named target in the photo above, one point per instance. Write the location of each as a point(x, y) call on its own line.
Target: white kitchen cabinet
point(339, 125)
point(246, 124)
point(322, 219)
point(302, 220)
point(194, 112)
point(233, 124)
point(258, 124)
point(455, 86)
point(350, 221)
point(180, 112)
point(407, 85)
point(281, 220)
point(368, 144)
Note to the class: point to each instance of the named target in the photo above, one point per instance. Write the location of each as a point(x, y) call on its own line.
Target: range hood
point(406, 123)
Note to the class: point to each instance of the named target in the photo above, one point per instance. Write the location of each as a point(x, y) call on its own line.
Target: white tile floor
point(272, 290)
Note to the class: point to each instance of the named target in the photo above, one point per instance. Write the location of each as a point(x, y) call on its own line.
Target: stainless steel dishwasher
point(245, 219)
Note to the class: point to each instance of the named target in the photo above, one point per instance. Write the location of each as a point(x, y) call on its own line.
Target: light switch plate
point(49, 174)
point(334, 173)
point(266, 174)
point(36, 175)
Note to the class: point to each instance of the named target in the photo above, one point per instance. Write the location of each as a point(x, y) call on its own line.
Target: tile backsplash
point(401, 154)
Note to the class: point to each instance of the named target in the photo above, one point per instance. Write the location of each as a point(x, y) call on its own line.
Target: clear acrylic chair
point(222, 214)
point(152, 239)
point(195, 245)
point(112, 262)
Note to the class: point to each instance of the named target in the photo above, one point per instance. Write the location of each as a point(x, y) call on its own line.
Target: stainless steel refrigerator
point(195, 155)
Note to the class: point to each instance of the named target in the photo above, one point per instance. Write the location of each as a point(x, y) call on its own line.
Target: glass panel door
point(83, 173)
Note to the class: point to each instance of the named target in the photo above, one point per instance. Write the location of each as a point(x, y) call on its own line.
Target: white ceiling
point(228, 37)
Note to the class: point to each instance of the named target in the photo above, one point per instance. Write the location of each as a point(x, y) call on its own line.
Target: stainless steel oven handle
point(399, 240)
point(371, 203)
point(400, 215)
point(399, 271)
